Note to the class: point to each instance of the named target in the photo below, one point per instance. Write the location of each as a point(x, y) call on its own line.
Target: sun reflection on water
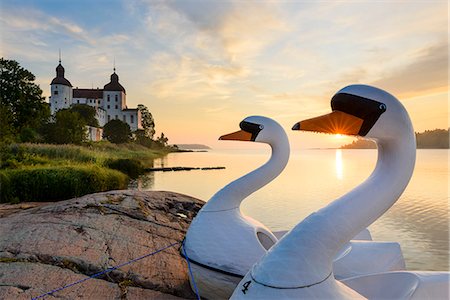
point(339, 165)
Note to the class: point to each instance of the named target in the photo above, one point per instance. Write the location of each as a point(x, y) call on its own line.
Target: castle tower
point(114, 98)
point(61, 91)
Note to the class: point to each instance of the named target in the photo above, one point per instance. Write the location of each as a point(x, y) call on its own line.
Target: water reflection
point(419, 220)
point(160, 162)
point(143, 183)
point(339, 165)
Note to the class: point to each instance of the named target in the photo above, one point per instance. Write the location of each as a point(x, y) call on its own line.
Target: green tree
point(117, 132)
point(21, 100)
point(162, 141)
point(87, 113)
point(6, 128)
point(147, 121)
point(141, 139)
point(69, 128)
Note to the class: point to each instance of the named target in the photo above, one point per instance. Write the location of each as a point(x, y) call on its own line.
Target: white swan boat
point(300, 265)
point(223, 244)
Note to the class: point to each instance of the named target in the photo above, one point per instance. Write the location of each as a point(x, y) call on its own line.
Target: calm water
point(419, 220)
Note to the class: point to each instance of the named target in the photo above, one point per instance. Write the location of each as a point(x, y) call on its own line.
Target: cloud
point(237, 29)
point(26, 19)
point(190, 79)
point(427, 73)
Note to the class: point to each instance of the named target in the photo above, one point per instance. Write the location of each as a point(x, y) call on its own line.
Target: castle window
point(108, 106)
point(109, 118)
point(78, 101)
point(117, 106)
point(117, 117)
point(124, 118)
point(116, 98)
point(108, 98)
point(55, 92)
point(132, 119)
point(90, 100)
point(99, 102)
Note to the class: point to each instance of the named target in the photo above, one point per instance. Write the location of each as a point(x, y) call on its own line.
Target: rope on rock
point(190, 270)
point(107, 271)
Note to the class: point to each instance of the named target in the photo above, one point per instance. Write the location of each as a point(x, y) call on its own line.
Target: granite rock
point(45, 247)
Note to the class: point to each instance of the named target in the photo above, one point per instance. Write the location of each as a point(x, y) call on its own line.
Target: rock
point(8, 209)
point(47, 247)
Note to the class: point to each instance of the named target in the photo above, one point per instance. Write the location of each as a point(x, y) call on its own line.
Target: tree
point(117, 132)
point(21, 99)
point(147, 121)
point(87, 113)
point(6, 128)
point(141, 139)
point(69, 128)
point(162, 141)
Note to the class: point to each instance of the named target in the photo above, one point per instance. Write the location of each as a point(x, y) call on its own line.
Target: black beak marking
point(296, 126)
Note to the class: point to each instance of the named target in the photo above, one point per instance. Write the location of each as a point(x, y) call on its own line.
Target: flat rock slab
point(46, 247)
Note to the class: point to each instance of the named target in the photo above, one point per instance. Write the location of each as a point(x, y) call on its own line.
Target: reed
point(54, 183)
point(45, 172)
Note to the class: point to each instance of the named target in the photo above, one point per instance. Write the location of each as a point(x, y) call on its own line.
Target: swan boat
point(223, 244)
point(300, 265)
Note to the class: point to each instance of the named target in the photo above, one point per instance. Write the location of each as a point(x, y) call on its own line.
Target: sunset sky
point(203, 66)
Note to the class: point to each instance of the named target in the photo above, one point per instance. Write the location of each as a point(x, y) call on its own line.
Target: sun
point(339, 136)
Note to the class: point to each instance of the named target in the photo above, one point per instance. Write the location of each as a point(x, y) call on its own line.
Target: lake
point(419, 220)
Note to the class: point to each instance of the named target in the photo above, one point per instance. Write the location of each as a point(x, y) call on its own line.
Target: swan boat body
point(223, 244)
point(300, 265)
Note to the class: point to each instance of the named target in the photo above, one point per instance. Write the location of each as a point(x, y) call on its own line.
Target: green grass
point(17, 155)
point(44, 172)
point(58, 182)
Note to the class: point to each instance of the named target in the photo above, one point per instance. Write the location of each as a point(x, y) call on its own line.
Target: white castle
point(109, 102)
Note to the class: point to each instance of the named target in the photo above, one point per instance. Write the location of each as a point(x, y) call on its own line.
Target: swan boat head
point(300, 264)
point(364, 111)
point(221, 239)
point(257, 129)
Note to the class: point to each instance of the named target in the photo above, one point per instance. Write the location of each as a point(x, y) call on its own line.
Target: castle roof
point(59, 79)
point(88, 93)
point(114, 84)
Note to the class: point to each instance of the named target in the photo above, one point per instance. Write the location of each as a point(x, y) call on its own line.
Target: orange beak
point(336, 122)
point(240, 135)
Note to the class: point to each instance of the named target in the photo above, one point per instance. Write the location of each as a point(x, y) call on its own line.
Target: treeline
point(429, 139)
point(433, 139)
point(25, 116)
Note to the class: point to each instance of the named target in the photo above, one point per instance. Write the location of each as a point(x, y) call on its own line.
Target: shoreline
point(40, 172)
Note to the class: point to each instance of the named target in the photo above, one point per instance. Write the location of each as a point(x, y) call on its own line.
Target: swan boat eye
point(252, 128)
point(366, 109)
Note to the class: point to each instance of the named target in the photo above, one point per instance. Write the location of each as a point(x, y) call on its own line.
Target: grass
point(16, 155)
point(44, 172)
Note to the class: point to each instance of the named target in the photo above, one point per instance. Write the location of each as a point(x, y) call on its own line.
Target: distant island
point(193, 147)
point(429, 139)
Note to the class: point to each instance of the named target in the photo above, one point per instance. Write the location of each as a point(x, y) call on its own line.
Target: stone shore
point(45, 246)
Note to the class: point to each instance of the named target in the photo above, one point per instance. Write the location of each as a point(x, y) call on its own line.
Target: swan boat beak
point(336, 122)
point(240, 135)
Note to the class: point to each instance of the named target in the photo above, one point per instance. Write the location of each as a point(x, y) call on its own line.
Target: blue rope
point(190, 270)
point(105, 271)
